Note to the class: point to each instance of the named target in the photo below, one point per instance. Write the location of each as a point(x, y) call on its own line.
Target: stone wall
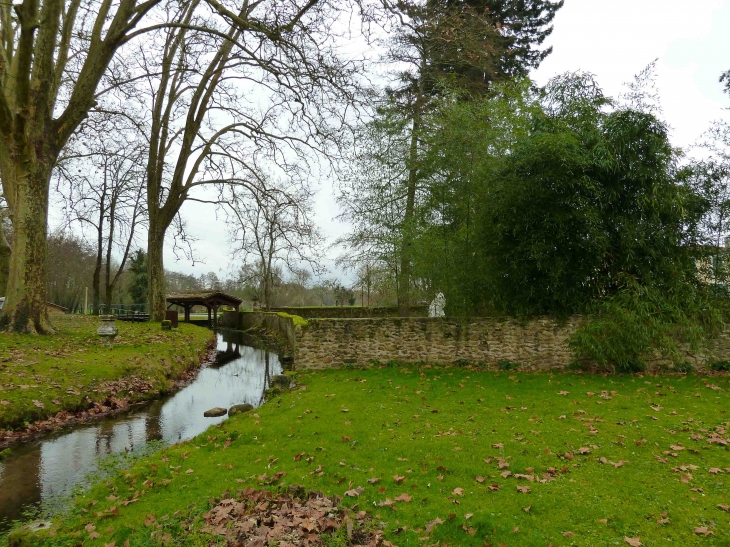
point(540, 343)
point(350, 312)
point(281, 328)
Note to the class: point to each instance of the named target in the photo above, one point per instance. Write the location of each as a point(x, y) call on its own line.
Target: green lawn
point(502, 458)
point(40, 375)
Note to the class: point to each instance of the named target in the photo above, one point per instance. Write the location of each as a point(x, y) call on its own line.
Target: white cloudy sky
point(613, 39)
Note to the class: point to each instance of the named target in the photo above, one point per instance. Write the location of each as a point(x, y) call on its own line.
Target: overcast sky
point(613, 39)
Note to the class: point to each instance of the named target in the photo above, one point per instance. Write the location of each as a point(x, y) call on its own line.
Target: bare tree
point(230, 91)
point(53, 55)
point(5, 236)
point(274, 230)
point(101, 184)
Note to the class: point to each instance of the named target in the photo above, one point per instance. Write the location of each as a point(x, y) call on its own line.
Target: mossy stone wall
point(540, 343)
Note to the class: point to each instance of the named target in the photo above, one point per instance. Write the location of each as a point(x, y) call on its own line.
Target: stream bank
point(43, 473)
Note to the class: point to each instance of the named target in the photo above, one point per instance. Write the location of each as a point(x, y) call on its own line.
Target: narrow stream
point(42, 473)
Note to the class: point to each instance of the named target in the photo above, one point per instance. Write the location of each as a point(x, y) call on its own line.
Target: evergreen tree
point(523, 26)
point(138, 284)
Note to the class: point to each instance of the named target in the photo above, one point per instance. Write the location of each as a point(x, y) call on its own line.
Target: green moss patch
point(298, 321)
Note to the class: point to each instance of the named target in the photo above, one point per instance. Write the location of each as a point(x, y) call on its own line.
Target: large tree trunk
point(4, 261)
point(96, 285)
point(25, 311)
point(156, 269)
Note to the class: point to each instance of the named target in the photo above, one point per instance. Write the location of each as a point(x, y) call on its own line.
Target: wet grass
point(601, 460)
point(40, 375)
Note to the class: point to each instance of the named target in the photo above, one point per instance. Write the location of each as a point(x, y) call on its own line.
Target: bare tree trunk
point(156, 268)
point(5, 251)
point(25, 311)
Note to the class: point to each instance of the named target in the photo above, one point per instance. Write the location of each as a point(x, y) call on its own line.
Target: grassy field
point(499, 458)
point(40, 375)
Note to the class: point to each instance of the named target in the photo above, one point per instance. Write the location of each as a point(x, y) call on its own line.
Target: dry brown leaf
point(458, 492)
point(523, 489)
point(398, 479)
point(480, 479)
point(634, 542)
point(704, 531)
point(433, 523)
point(404, 497)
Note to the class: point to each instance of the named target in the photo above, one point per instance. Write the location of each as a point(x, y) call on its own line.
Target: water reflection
point(43, 471)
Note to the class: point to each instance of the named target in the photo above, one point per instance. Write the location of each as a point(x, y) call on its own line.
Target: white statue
point(436, 309)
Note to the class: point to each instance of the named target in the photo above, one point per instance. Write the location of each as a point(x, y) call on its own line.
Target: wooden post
point(187, 312)
point(215, 316)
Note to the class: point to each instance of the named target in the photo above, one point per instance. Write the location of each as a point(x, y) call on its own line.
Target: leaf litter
point(256, 518)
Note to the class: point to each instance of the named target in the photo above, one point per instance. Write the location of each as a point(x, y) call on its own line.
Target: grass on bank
point(40, 375)
point(501, 458)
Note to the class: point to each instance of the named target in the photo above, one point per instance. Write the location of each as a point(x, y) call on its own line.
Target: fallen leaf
point(404, 497)
point(90, 527)
point(663, 521)
point(38, 404)
point(725, 508)
point(480, 479)
point(527, 509)
point(569, 534)
point(433, 523)
point(398, 479)
point(373, 480)
point(704, 531)
point(498, 445)
point(563, 392)
point(468, 516)
point(634, 542)
point(458, 492)
point(523, 489)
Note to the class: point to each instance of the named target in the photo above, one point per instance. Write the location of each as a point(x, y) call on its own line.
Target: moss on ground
point(509, 458)
point(41, 375)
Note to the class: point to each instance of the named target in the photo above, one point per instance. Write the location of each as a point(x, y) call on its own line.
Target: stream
point(43, 473)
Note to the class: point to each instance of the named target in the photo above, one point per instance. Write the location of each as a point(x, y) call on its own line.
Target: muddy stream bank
point(44, 472)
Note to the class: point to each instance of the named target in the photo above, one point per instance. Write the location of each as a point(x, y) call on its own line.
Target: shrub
point(723, 366)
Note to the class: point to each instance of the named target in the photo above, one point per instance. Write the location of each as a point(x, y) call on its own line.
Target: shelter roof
point(207, 298)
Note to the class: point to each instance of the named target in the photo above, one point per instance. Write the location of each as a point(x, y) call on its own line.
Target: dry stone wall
point(350, 312)
point(540, 343)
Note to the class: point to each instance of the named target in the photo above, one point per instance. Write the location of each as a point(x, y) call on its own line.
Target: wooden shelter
point(211, 300)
